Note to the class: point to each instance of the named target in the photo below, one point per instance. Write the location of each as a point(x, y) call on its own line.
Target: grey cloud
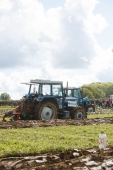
point(76, 45)
point(9, 56)
point(68, 52)
point(12, 55)
point(44, 38)
point(105, 75)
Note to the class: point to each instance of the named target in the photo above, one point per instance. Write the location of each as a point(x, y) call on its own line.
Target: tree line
point(98, 90)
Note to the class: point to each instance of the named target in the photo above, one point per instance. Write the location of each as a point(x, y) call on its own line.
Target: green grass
point(30, 141)
point(6, 108)
point(100, 116)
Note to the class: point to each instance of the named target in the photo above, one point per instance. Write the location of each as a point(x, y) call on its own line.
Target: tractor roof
point(29, 83)
point(42, 81)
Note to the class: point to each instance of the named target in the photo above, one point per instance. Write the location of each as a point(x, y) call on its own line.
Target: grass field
point(91, 116)
point(29, 141)
point(6, 108)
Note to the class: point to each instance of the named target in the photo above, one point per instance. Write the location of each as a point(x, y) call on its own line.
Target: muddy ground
point(69, 160)
point(58, 122)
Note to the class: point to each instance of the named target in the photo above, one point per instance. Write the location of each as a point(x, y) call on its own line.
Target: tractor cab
point(73, 94)
point(41, 90)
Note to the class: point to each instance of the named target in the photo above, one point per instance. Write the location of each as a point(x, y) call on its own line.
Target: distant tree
point(5, 96)
point(98, 90)
point(87, 92)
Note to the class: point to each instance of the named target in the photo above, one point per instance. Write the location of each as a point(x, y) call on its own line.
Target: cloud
point(57, 44)
point(105, 74)
point(83, 10)
point(74, 45)
point(20, 27)
point(77, 39)
point(57, 35)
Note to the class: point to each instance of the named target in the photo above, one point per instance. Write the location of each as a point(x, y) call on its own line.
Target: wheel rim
point(46, 113)
point(90, 109)
point(79, 115)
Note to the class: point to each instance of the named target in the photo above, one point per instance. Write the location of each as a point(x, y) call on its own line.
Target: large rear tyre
point(78, 113)
point(90, 108)
point(46, 111)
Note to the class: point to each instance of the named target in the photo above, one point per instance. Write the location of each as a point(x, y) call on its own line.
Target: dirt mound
point(70, 160)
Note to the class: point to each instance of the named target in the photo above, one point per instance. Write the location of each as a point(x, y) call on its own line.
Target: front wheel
point(78, 113)
point(90, 108)
point(46, 111)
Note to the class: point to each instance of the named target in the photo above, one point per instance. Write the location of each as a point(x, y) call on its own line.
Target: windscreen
point(34, 88)
point(57, 90)
point(77, 93)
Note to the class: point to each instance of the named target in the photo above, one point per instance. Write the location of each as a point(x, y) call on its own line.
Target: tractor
point(72, 93)
point(46, 101)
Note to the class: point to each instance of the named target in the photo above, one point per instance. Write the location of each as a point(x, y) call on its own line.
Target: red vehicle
point(108, 102)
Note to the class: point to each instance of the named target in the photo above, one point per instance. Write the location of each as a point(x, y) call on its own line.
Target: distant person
point(112, 103)
point(95, 102)
point(100, 103)
point(14, 104)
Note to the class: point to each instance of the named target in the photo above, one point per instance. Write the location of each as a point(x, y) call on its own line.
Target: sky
point(64, 40)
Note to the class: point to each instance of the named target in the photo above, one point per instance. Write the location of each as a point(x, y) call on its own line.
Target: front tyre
point(90, 108)
point(46, 111)
point(78, 113)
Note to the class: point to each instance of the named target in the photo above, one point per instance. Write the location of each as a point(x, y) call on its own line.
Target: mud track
point(58, 122)
point(70, 160)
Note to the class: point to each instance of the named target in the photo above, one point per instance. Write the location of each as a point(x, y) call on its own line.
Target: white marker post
point(102, 143)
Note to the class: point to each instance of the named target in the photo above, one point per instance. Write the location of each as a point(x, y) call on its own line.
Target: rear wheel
point(90, 108)
point(46, 111)
point(78, 113)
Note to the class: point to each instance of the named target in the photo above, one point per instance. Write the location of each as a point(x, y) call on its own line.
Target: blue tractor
point(45, 101)
point(72, 93)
